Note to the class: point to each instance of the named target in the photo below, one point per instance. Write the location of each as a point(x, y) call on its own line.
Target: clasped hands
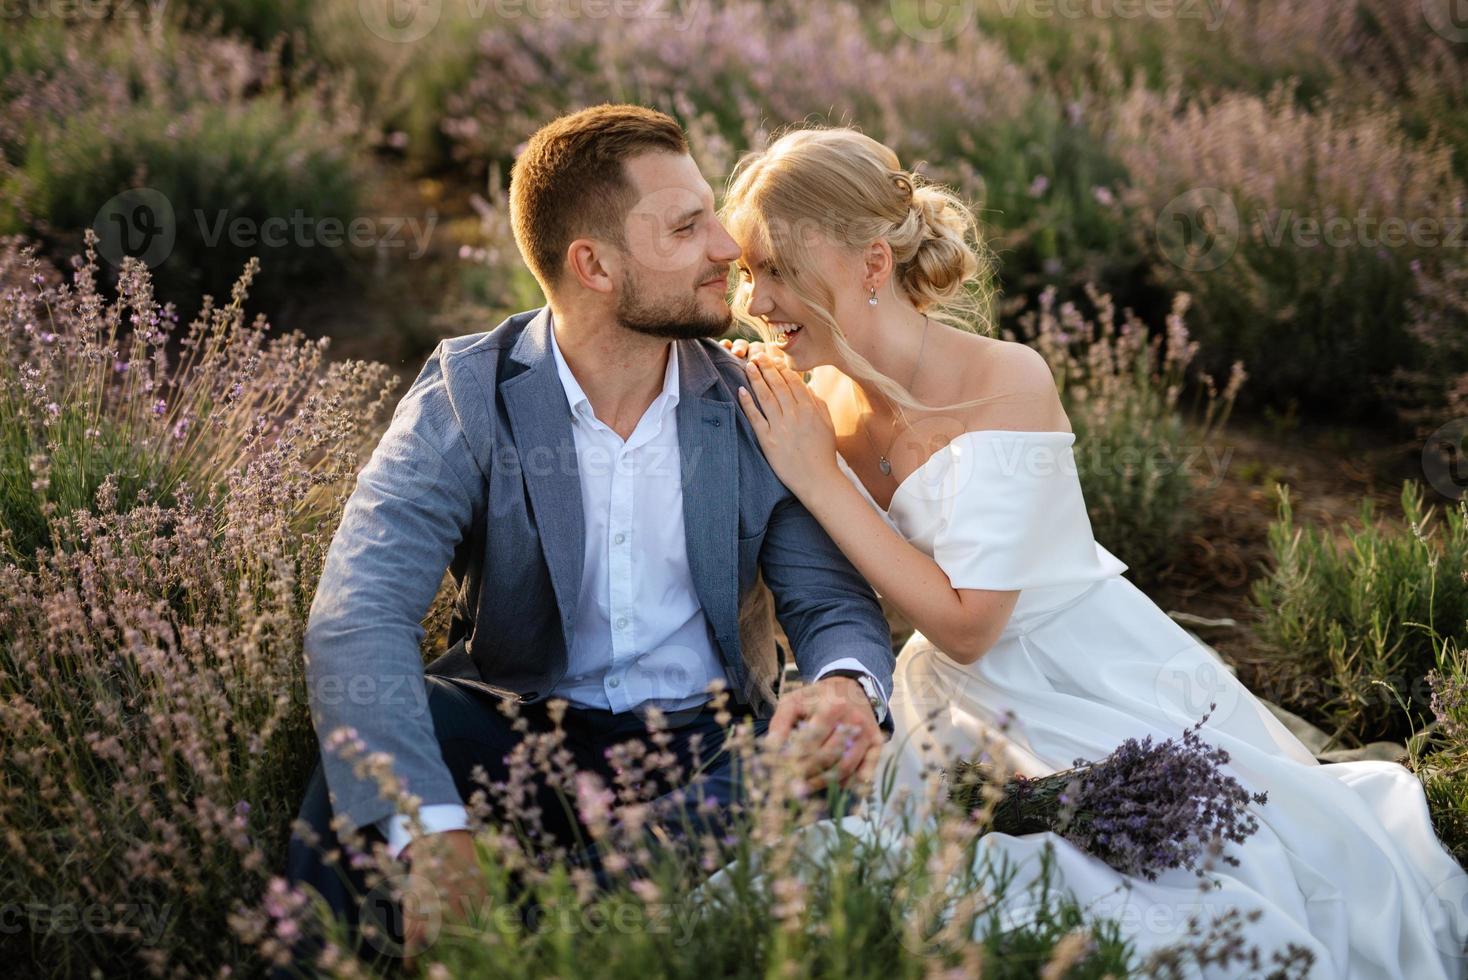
point(827, 729)
point(830, 733)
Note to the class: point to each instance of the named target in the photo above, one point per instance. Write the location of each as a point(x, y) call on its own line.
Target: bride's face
point(797, 330)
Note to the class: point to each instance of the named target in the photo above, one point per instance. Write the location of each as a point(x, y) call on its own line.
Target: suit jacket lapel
point(541, 420)
point(708, 448)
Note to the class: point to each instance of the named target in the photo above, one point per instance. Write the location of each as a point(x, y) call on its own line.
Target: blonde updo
point(943, 259)
point(848, 188)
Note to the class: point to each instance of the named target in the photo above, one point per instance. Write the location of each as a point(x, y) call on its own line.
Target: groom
point(604, 508)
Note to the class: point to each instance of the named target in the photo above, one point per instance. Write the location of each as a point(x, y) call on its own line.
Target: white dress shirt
point(640, 635)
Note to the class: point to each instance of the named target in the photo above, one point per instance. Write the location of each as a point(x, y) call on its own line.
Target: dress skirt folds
point(1345, 862)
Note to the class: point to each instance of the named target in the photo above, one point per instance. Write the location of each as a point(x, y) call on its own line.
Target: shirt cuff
point(851, 663)
point(437, 818)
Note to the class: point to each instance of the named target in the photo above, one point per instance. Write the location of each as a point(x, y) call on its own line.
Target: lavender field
point(232, 232)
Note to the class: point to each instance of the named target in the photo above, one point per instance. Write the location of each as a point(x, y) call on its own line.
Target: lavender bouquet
point(1142, 809)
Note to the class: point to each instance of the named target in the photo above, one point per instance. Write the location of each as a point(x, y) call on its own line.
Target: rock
point(1374, 751)
point(1316, 740)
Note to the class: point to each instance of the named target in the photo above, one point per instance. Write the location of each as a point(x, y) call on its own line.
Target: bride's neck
point(894, 342)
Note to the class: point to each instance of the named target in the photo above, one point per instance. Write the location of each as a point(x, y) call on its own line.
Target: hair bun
point(943, 257)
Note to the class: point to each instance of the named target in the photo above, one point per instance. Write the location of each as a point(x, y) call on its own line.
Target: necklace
point(883, 463)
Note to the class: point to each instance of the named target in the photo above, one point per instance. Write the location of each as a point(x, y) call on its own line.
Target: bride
point(940, 461)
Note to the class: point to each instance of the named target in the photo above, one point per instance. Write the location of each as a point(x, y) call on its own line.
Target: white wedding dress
point(1345, 862)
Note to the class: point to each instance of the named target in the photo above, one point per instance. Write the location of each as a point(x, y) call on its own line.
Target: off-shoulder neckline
point(943, 452)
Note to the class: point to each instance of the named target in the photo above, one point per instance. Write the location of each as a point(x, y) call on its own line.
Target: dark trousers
point(472, 731)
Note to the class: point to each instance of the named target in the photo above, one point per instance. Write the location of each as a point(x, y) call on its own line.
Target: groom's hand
point(832, 730)
point(445, 881)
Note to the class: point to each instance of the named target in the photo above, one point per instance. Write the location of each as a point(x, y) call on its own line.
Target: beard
point(670, 319)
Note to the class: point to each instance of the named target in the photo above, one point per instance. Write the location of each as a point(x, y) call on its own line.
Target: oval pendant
point(884, 466)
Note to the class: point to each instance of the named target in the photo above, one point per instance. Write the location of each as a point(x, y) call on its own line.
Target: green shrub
point(1036, 167)
point(1139, 459)
point(1047, 189)
point(405, 87)
point(159, 551)
point(1246, 45)
point(259, 21)
point(1298, 249)
point(1440, 751)
point(1358, 623)
point(492, 281)
point(201, 125)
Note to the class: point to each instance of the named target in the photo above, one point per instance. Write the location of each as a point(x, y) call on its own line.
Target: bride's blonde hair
point(852, 190)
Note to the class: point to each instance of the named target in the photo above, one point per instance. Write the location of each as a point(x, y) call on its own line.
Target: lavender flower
point(1449, 703)
point(1143, 809)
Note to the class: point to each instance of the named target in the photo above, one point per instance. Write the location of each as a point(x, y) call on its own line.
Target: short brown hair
point(570, 181)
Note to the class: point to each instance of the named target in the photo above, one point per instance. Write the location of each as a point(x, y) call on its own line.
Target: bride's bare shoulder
point(1018, 382)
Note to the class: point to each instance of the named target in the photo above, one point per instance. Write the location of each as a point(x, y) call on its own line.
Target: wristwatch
point(874, 695)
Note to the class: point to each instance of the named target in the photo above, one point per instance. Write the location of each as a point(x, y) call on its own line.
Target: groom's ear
point(593, 264)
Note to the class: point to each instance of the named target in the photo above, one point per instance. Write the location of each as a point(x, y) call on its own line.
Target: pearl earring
point(872, 301)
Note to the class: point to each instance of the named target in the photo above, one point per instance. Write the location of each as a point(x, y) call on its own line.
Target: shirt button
point(615, 682)
point(622, 622)
point(619, 538)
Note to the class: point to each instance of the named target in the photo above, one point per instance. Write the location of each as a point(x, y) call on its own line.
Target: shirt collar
point(581, 405)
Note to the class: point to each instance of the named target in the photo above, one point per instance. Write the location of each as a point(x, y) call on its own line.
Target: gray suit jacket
point(477, 474)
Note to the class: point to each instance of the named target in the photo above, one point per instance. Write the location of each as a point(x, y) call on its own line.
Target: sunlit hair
point(849, 189)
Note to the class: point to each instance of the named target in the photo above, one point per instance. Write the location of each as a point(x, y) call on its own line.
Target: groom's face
point(674, 280)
